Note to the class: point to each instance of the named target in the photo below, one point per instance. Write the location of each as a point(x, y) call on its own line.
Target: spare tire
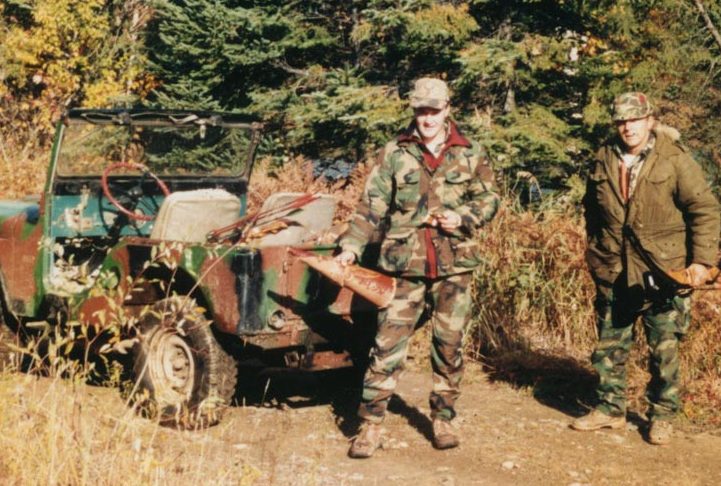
point(182, 375)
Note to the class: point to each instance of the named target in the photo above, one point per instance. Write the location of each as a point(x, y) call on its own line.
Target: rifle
point(241, 229)
point(375, 287)
point(683, 279)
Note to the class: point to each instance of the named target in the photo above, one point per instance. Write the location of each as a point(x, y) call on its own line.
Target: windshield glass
point(187, 149)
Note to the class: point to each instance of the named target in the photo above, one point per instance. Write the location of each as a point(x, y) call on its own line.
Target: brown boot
point(597, 420)
point(369, 439)
point(444, 434)
point(660, 432)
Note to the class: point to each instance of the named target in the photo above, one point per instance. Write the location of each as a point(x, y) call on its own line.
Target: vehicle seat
point(188, 216)
point(310, 221)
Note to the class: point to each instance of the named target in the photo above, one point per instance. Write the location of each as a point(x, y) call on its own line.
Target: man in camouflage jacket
point(649, 210)
point(431, 190)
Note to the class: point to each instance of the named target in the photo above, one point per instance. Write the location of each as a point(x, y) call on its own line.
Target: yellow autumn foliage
point(65, 53)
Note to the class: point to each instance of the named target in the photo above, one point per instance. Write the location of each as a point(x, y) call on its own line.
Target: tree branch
point(291, 70)
point(709, 23)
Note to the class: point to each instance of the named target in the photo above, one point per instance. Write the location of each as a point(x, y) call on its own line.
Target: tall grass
point(532, 290)
point(54, 432)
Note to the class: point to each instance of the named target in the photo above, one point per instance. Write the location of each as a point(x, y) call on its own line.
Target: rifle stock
point(683, 279)
point(375, 287)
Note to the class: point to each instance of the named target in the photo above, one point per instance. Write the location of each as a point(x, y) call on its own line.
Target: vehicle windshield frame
point(183, 119)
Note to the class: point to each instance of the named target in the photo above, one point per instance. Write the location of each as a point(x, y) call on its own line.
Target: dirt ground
point(509, 437)
point(295, 430)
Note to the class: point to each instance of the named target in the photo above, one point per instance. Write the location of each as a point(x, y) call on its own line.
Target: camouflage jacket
point(402, 191)
point(672, 212)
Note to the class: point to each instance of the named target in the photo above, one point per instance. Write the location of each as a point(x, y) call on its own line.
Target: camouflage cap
point(429, 93)
point(630, 106)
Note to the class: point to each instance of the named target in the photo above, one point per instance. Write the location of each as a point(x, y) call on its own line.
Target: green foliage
point(531, 78)
point(534, 140)
point(214, 54)
point(343, 113)
point(398, 40)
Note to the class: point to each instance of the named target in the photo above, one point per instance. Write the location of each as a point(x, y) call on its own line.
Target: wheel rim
point(171, 367)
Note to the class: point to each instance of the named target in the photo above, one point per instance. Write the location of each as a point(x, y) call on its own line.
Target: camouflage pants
point(665, 322)
point(451, 302)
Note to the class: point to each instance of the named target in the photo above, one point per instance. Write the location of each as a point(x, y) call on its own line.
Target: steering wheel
point(133, 194)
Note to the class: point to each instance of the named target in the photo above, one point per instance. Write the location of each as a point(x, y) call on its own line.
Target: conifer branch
point(709, 23)
point(289, 69)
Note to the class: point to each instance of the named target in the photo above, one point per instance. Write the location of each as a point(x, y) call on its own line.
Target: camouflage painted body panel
point(266, 296)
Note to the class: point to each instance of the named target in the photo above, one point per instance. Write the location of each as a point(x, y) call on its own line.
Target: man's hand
point(345, 258)
point(698, 274)
point(448, 220)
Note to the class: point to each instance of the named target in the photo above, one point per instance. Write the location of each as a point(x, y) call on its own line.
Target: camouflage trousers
point(665, 322)
point(450, 303)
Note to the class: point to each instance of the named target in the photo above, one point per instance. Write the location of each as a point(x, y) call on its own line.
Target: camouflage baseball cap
point(630, 106)
point(429, 93)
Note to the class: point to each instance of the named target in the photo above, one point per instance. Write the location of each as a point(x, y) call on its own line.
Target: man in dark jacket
point(433, 188)
point(649, 210)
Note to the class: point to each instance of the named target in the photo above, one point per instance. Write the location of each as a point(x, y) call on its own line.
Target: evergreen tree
point(532, 79)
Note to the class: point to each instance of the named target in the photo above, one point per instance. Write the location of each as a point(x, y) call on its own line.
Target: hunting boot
point(598, 420)
point(444, 434)
point(369, 439)
point(660, 432)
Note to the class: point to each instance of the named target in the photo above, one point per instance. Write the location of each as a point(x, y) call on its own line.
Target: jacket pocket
point(408, 191)
point(397, 249)
point(455, 188)
point(660, 188)
point(605, 266)
point(466, 253)
point(667, 249)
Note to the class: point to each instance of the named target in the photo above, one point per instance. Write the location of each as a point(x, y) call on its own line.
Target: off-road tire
point(182, 375)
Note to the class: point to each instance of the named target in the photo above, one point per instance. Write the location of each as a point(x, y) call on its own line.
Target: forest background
point(531, 79)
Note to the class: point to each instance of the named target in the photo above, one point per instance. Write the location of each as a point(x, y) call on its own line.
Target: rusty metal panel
point(319, 360)
point(19, 259)
point(295, 333)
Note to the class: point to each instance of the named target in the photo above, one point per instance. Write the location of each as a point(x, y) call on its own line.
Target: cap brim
point(634, 117)
point(428, 103)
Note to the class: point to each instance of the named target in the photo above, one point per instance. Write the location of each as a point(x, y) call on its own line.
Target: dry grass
point(532, 290)
point(59, 431)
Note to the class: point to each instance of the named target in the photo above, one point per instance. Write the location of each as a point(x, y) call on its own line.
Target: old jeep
point(141, 242)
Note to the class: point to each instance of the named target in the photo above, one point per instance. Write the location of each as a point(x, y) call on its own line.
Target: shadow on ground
point(341, 389)
point(558, 382)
